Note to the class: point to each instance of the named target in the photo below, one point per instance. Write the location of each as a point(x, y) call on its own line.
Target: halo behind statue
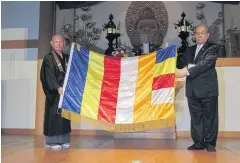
point(146, 21)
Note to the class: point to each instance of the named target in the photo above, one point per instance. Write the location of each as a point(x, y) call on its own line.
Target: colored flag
point(121, 94)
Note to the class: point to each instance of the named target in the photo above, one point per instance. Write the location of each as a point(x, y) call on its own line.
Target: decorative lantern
point(111, 35)
point(183, 29)
point(110, 27)
point(183, 25)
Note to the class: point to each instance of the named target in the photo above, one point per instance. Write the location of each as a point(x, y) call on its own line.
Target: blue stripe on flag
point(166, 53)
point(73, 94)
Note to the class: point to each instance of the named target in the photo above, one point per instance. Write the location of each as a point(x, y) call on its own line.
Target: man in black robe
point(56, 129)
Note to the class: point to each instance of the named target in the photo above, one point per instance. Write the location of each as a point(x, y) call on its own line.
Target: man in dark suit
point(202, 90)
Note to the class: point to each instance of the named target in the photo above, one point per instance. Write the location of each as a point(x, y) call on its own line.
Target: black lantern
point(111, 27)
point(183, 27)
point(111, 35)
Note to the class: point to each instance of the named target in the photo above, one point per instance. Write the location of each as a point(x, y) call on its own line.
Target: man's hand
point(60, 91)
point(180, 73)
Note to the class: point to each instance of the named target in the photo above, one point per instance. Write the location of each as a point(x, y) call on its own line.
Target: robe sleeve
point(50, 75)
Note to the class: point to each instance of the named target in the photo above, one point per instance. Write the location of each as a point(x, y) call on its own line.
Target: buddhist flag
point(121, 94)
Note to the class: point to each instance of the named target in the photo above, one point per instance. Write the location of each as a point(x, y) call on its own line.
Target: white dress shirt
point(199, 47)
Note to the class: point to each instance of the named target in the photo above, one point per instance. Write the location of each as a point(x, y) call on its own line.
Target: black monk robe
point(52, 79)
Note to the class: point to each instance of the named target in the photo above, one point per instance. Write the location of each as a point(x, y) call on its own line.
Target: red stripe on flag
point(163, 81)
point(109, 91)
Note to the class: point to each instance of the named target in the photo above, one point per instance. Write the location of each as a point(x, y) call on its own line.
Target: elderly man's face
point(57, 43)
point(201, 35)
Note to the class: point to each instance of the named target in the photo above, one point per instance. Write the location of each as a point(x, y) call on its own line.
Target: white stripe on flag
point(126, 90)
point(163, 95)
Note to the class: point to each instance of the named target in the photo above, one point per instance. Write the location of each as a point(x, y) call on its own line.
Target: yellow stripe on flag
point(165, 67)
point(143, 95)
point(92, 90)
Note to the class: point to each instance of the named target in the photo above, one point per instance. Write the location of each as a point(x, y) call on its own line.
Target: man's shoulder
point(47, 57)
point(212, 44)
point(192, 47)
point(213, 47)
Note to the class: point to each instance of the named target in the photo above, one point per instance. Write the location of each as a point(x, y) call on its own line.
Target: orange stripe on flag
point(144, 87)
point(161, 111)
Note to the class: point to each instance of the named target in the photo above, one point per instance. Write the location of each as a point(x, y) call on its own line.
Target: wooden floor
point(85, 149)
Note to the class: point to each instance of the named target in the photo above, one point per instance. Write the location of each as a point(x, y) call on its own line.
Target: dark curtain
point(79, 4)
point(75, 4)
point(227, 2)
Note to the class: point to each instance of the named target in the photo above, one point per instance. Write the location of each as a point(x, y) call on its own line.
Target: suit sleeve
point(50, 76)
point(182, 60)
point(207, 63)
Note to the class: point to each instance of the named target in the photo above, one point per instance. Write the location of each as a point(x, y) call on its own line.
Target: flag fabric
point(120, 94)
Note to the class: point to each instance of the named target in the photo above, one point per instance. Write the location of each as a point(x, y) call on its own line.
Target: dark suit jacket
point(202, 80)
